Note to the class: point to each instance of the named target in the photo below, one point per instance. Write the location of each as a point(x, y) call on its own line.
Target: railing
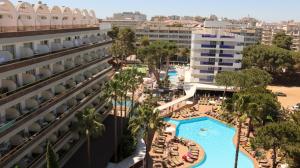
point(42, 133)
point(226, 55)
point(207, 71)
point(224, 36)
point(225, 64)
point(8, 96)
point(206, 80)
point(209, 36)
point(227, 46)
point(208, 54)
point(208, 46)
point(46, 105)
point(22, 62)
point(207, 63)
point(6, 125)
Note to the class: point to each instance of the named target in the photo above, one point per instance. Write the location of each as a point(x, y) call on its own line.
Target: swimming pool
point(216, 140)
point(172, 76)
point(127, 103)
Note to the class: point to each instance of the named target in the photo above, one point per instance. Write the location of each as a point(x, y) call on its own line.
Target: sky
point(267, 10)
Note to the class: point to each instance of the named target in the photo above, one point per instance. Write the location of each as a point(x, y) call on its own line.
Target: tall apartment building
point(53, 64)
point(181, 35)
point(214, 51)
point(252, 35)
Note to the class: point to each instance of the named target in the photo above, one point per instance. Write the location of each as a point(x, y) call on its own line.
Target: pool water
point(172, 76)
point(215, 138)
point(127, 103)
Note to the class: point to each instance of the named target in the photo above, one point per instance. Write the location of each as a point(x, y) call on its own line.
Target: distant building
point(178, 32)
point(174, 17)
point(126, 19)
point(214, 51)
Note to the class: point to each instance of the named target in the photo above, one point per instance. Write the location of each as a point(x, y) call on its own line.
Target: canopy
point(59, 89)
point(31, 104)
point(35, 127)
point(57, 68)
point(45, 72)
point(12, 113)
point(49, 117)
point(28, 78)
point(9, 84)
point(80, 96)
point(16, 140)
point(47, 95)
point(53, 138)
point(71, 102)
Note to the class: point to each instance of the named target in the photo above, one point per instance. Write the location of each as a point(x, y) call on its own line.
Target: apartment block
point(53, 64)
point(156, 31)
point(214, 51)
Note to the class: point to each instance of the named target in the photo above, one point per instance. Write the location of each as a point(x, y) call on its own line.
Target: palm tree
point(134, 80)
point(51, 157)
point(240, 105)
point(90, 124)
point(112, 89)
point(145, 121)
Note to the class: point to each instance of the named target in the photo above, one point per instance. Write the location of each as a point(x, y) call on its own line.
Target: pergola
point(8, 19)
point(26, 18)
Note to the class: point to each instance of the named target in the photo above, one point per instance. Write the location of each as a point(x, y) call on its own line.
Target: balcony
point(207, 71)
point(225, 64)
point(227, 46)
point(208, 46)
point(14, 94)
point(207, 63)
point(226, 55)
point(23, 62)
point(208, 54)
point(209, 36)
point(41, 134)
point(26, 118)
point(224, 36)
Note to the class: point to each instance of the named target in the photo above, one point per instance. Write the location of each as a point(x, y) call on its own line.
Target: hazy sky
point(269, 10)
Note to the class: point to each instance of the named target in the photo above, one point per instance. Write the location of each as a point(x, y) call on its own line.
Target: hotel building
point(53, 64)
point(214, 51)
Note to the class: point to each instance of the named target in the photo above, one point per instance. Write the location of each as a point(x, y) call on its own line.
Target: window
point(44, 42)
point(57, 40)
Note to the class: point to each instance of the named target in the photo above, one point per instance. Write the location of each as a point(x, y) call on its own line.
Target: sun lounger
point(157, 165)
point(174, 153)
point(171, 163)
point(178, 160)
point(158, 150)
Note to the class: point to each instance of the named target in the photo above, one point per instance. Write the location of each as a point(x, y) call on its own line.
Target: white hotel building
point(53, 64)
point(214, 51)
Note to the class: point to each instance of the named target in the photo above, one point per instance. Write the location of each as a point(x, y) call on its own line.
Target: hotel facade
point(214, 51)
point(53, 64)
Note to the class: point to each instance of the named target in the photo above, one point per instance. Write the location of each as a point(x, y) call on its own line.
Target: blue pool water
point(172, 76)
point(127, 103)
point(217, 140)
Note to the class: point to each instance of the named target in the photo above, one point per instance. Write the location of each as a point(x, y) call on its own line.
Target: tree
point(185, 53)
point(126, 38)
point(134, 80)
point(272, 59)
point(281, 137)
point(282, 40)
point(157, 53)
point(113, 33)
point(51, 157)
point(145, 121)
point(144, 41)
point(112, 89)
point(90, 124)
point(226, 79)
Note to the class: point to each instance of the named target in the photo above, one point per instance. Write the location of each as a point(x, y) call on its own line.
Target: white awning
point(9, 84)
point(12, 113)
point(80, 96)
point(38, 150)
point(47, 95)
point(28, 78)
point(53, 138)
point(35, 127)
point(45, 72)
point(59, 89)
point(70, 83)
point(57, 68)
point(49, 117)
point(16, 140)
point(31, 104)
point(72, 102)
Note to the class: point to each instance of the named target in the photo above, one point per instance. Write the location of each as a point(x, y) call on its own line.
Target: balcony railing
point(208, 54)
point(42, 133)
point(227, 46)
point(224, 36)
point(225, 64)
point(209, 36)
point(205, 80)
point(226, 55)
point(23, 62)
point(207, 63)
point(208, 46)
point(48, 104)
point(207, 71)
point(9, 96)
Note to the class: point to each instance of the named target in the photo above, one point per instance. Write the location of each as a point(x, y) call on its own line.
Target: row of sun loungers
point(186, 113)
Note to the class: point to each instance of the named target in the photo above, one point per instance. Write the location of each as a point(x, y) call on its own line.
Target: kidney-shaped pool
point(216, 139)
